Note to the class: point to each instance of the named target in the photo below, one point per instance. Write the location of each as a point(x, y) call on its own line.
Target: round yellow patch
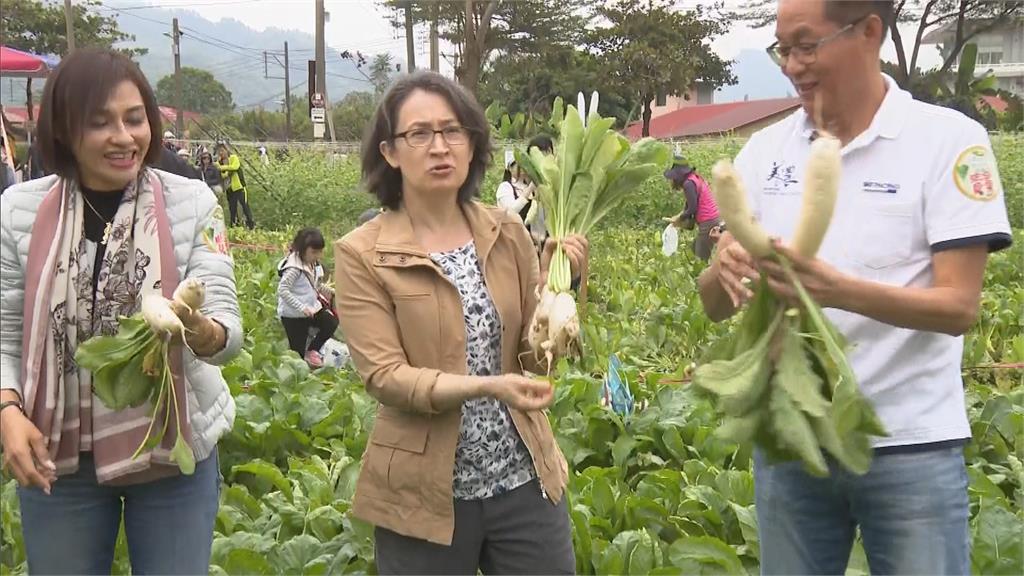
point(976, 175)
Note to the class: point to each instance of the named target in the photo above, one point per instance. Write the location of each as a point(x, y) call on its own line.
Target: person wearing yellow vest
point(230, 167)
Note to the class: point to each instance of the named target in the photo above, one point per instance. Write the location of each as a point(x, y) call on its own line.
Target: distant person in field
point(515, 194)
point(170, 142)
point(900, 274)
point(303, 301)
point(700, 210)
point(172, 161)
point(462, 471)
point(264, 156)
point(209, 172)
point(230, 166)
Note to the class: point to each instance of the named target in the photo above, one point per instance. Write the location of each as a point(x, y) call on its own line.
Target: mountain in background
point(228, 49)
point(758, 77)
point(233, 53)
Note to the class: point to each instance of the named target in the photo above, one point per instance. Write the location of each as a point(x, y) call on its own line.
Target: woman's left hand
point(576, 247)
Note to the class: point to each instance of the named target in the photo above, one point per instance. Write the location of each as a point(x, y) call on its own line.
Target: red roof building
point(19, 114)
point(732, 118)
point(170, 114)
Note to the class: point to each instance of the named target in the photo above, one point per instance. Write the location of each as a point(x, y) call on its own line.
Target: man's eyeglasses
point(806, 52)
point(420, 137)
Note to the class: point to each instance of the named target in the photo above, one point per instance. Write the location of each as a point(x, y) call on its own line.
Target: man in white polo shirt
point(900, 274)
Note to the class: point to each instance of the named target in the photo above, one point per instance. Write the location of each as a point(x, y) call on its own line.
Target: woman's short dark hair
point(78, 89)
point(543, 142)
point(308, 238)
point(384, 181)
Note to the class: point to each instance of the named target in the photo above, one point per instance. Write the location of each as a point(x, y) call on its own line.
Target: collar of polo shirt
point(888, 122)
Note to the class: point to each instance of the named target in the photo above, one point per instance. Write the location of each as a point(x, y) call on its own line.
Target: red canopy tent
point(18, 64)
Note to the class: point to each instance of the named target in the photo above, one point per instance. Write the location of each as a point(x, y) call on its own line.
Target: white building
point(1000, 50)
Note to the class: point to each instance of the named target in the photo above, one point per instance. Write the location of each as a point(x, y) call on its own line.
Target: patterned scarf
point(61, 311)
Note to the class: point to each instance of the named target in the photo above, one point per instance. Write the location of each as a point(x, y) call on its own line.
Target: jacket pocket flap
point(408, 433)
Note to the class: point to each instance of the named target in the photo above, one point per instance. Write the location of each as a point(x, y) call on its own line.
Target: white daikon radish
point(731, 198)
point(821, 189)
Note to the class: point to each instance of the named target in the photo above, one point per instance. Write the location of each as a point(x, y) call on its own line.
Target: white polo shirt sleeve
point(964, 202)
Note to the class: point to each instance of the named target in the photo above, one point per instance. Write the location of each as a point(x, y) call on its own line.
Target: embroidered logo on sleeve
point(975, 174)
point(216, 235)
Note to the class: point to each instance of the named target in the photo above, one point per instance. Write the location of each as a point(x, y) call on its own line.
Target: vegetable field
point(654, 492)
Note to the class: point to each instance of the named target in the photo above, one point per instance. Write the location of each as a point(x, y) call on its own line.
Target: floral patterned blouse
point(490, 458)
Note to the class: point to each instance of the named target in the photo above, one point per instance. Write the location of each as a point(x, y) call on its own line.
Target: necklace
point(109, 223)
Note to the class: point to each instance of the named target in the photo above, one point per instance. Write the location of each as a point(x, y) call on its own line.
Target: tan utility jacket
point(404, 325)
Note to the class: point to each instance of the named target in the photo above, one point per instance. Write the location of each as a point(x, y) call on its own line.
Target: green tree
point(260, 123)
point(966, 18)
point(39, 27)
point(200, 92)
point(496, 28)
point(529, 83)
point(352, 114)
point(656, 50)
point(380, 73)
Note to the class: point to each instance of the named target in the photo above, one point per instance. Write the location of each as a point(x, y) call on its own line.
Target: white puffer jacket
point(190, 208)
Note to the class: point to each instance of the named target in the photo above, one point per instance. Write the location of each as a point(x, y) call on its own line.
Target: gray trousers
point(518, 532)
point(702, 244)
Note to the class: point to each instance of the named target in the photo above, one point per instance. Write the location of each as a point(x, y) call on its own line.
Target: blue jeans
point(911, 509)
point(168, 522)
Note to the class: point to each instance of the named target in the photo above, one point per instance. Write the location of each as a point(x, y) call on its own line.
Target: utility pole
point(287, 88)
point(435, 58)
point(179, 122)
point(410, 41)
point(321, 76)
point(287, 98)
point(69, 22)
point(321, 65)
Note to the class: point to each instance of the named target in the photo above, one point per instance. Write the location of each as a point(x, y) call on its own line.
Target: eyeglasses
point(806, 52)
point(420, 137)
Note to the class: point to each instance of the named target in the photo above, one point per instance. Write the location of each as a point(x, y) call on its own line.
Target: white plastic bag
point(335, 353)
point(669, 240)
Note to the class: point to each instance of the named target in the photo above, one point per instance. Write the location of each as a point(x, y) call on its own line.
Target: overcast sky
point(363, 24)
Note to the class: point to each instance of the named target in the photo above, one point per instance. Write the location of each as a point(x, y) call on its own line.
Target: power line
point(224, 45)
point(274, 97)
point(195, 5)
point(225, 42)
point(102, 6)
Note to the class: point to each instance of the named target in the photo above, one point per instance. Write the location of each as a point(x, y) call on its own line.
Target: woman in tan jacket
point(462, 471)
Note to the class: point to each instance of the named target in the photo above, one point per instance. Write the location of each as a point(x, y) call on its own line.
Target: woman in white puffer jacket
point(77, 251)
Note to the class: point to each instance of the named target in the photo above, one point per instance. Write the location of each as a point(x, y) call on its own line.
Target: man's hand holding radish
point(820, 279)
point(735, 270)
